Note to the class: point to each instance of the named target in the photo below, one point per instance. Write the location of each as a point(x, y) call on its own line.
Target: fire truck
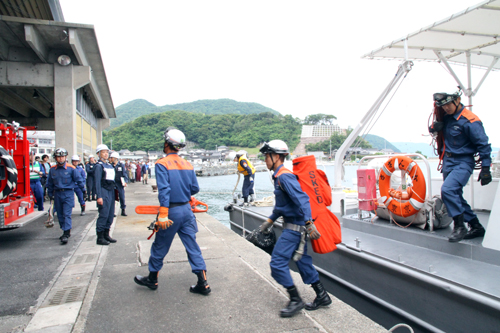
point(17, 203)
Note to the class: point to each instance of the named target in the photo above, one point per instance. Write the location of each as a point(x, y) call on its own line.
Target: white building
point(42, 142)
point(322, 131)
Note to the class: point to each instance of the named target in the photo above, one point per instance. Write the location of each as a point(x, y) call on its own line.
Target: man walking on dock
point(293, 204)
point(247, 169)
point(176, 182)
point(460, 136)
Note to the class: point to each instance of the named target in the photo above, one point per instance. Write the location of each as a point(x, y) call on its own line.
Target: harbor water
point(217, 191)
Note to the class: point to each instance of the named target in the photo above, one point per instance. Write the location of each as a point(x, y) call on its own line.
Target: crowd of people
point(61, 179)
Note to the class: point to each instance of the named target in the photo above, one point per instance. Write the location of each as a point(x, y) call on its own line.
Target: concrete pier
point(244, 298)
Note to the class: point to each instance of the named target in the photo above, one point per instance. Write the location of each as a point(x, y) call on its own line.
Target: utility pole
point(111, 144)
point(330, 148)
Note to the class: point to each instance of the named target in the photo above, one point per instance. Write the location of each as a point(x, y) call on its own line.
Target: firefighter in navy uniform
point(89, 168)
point(62, 180)
point(104, 176)
point(75, 160)
point(176, 182)
point(121, 179)
point(460, 135)
point(246, 168)
point(293, 204)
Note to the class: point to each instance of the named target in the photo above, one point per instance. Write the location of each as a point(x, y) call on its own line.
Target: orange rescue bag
point(315, 184)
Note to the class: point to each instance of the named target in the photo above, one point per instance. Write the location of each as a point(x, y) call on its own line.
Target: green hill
point(207, 130)
point(380, 143)
point(139, 107)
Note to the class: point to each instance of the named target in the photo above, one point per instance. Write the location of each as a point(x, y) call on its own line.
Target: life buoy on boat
point(399, 202)
point(194, 203)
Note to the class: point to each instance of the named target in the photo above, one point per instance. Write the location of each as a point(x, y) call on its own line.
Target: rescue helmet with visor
point(444, 98)
point(276, 147)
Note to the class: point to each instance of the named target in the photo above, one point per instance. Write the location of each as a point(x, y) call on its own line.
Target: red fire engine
point(16, 201)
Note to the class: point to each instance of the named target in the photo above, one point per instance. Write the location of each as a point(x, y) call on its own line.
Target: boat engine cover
point(265, 241)
point(441, 217)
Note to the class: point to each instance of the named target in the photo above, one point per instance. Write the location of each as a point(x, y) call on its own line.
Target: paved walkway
point(95, 292)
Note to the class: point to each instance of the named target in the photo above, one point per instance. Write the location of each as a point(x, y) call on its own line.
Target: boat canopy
point(472, 35)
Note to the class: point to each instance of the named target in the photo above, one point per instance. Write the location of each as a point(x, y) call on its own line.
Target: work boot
point(123, 212)
point(64, 238)
point(202, 286)
point(476, 229)
point(83, 210)
point(245, 202)
point(150, 281)
point(108, 237)
point(322, 298)
point(100, 239)
point(459, 229)
point(295, 305)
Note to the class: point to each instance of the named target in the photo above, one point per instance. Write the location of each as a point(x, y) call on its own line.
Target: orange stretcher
point(151, 209)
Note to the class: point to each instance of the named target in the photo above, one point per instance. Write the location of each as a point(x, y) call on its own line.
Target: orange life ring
point(194, 203)
point(398, 202)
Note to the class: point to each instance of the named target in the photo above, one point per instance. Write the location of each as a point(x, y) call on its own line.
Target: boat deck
point(421, 250)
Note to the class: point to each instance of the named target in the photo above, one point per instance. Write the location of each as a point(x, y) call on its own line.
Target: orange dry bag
point(315, 184)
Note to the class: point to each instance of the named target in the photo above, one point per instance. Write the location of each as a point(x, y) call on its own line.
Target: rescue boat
point(396, 264)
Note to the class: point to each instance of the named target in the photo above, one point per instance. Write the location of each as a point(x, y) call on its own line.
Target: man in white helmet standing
point(121, 179)
point(176, 182)
point(104, 176)
point(75, 160)
point(61, 182)
point(293, 205)
point(247, 169)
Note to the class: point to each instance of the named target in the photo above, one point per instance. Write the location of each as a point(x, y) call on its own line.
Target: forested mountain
point(380, 143)
point(139, 107)
point(207, 130)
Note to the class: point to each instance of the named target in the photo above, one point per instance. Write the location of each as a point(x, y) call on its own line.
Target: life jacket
point(315, 184)
point(241, 169)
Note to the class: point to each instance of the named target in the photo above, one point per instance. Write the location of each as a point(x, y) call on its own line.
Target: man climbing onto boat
point(176, 184)
point(246, 168)
point(460, 135)
point(293, 204)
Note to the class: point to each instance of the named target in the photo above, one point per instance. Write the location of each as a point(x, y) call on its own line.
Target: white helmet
point(75, 158)
point(274, 146)
point(91, 156)
point(231, 155)
point(175, 137)
point(101, 147)
point(115, 154)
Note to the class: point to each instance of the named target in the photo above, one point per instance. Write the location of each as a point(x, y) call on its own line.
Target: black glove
point(51, 197)
point(484, 176)
point(436, 127)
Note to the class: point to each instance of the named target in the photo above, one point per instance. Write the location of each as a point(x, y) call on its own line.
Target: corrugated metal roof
point(49, 10)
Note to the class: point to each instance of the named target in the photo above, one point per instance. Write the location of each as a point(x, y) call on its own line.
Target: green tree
point(319, 119)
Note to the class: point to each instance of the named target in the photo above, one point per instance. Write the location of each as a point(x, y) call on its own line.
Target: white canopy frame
point(470, 38)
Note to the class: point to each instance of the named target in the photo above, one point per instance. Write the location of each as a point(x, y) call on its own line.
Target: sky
point(296, 57)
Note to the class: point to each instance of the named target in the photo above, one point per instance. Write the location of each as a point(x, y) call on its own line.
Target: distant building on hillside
point(320, 131)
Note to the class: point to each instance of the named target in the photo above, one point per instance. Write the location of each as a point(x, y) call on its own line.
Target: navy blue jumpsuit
point(104, 176)
point(119, 174)
point(78, 191)
point(61, 183)
point(89, 168)
point(293, 204)
point(464, 135)
point(176, 182)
